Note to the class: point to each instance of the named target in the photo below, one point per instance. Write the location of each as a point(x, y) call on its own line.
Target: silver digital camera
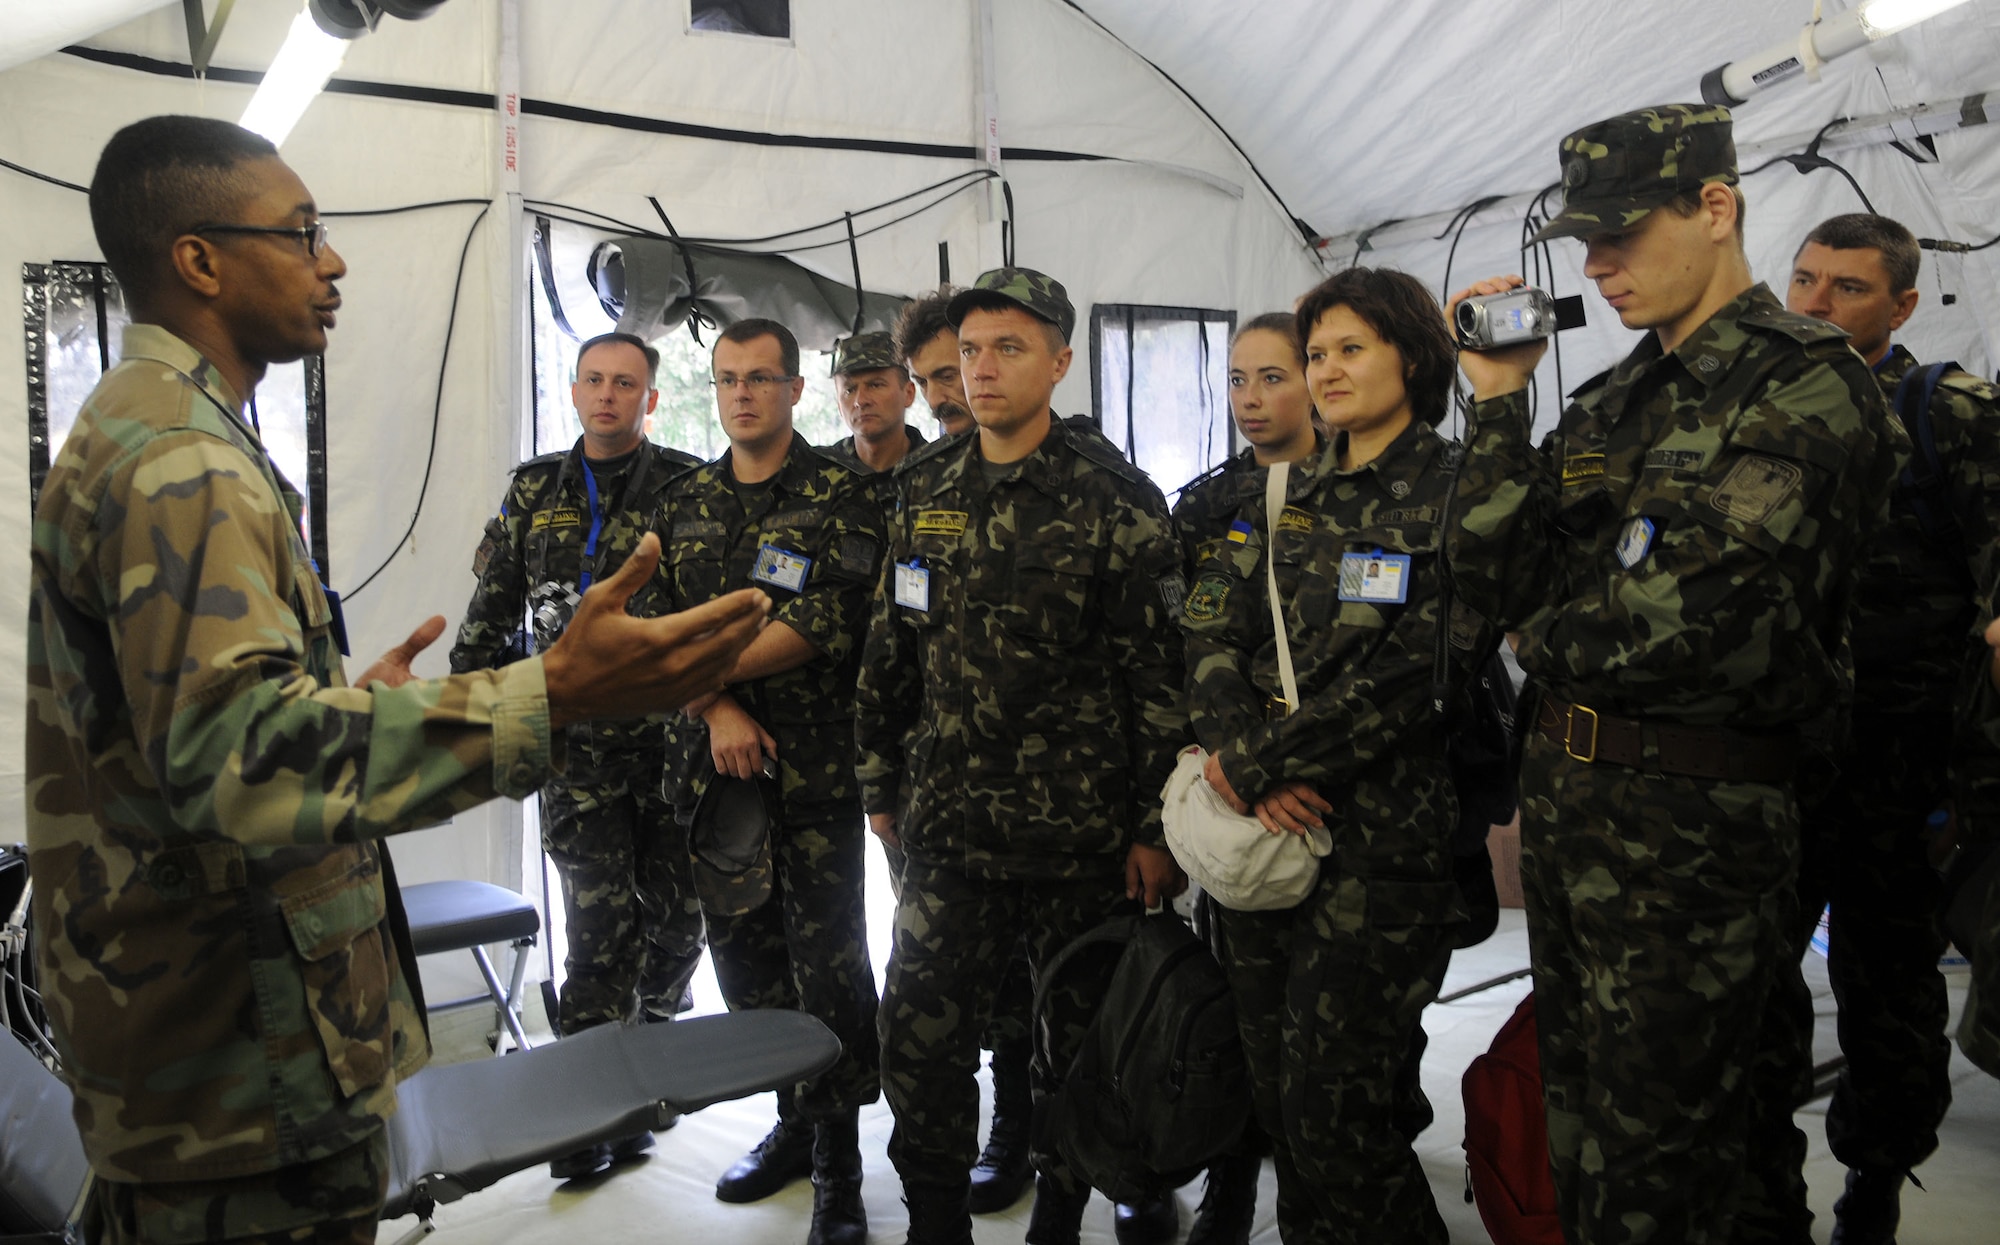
point(1495, 321)
point(551, 606)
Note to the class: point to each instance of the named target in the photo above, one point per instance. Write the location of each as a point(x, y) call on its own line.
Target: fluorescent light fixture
point(1818, 43)
point(298, 73)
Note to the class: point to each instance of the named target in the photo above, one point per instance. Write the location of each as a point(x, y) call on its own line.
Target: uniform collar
point(1712, 350)
point(150, 341)
point(1397, 467)
point(794, 475)
point(1894, 366)
point(1043, 467)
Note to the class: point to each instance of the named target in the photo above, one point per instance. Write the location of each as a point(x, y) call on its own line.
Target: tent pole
point(510, 422)
point(992, 211)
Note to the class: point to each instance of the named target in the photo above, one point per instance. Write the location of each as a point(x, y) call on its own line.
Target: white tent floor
point(669, 1196)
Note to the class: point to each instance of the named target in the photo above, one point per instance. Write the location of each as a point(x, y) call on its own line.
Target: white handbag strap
point(1274, 505)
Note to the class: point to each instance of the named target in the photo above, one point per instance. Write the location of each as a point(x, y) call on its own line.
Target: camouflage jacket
point(1207, 504)
point(1913, 618)
point(1364, 733)
point(817, 510)
point(533, 555)
point(202, 789)
point(1687, 542)
point(1040, 663)
point(844, 453)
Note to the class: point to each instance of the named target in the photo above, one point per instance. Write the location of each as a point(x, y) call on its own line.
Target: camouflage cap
point(864, 352)
point(1039, 295)
point(1616, 171)
point(729, 841)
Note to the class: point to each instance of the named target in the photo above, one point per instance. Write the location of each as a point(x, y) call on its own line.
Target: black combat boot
point(937, 1216)
point(1150, 1222)
point(1002, 1173)
point(1058, 1217)
point(1228, 1202)
point(838, 1215)
point(1867, 1213)
point(783, 1156)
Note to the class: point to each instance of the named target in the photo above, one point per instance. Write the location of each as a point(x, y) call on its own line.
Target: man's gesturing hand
point(393, 667)
point(609, 664)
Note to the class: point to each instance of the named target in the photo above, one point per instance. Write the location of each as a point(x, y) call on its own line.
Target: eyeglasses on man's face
point(756, 382)
point(313, 235)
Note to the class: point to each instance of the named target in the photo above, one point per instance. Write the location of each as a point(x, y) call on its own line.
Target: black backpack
point(1922, 486)
point(1159, 1088)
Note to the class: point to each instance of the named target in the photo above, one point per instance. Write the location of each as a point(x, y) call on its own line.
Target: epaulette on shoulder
point(1973, 386)
point(1799, 328)
point(553, 458)
point(1091, 443)
point(1596, 382)
point(929, 450)
point(675, 461)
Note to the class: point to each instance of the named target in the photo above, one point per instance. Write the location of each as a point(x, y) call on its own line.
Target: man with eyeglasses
point(224, 960)
point(634, 927)
point(786, 925)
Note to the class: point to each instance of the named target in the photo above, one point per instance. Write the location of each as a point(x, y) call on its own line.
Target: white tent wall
point(1168, 213)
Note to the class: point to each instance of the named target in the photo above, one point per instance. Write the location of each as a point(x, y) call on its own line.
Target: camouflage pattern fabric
point(635, 928)
point(336, 1200)
point(1976, 796)
point(1206, 506)
point(1617, 170)
point(844, 453)
point(1866, 846)
point(954, 936)
point(1330, 994)
point(809, 941)
point(1042, 676)
point(634, 921)
point(1013, 1002)
point(1038, 294)
point(202, 787)
point(1739, 475)
point(865, 352)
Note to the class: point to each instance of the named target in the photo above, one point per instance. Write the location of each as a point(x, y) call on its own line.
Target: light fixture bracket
point(202, 34)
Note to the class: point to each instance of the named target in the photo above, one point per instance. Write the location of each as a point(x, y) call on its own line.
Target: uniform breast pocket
point(1377, 573)
point(698, 571)
point(336, 928)
point(1052, 599)
point(924, 581)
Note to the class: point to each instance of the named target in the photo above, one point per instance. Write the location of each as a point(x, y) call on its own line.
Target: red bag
point(1507, 1137)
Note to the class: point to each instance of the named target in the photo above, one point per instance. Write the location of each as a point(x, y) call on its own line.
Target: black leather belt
point(1712, 752)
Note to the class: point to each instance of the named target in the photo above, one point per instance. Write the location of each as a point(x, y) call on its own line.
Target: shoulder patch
point(1205, 601)
point(1755, 487)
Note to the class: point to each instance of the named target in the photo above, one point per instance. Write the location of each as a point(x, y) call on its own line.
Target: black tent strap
point(587, 116)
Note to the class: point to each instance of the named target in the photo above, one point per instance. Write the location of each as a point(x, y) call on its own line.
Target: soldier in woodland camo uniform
point(873, 390)
point(1330, 993)
point(223, 958)
point(1026, 627)
point(634, 922)
point(1678, 561)
point(778, 513)
point(1972, 880)
point(1866, 834)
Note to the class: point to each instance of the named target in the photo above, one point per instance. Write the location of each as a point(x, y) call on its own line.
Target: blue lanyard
point(596, 526)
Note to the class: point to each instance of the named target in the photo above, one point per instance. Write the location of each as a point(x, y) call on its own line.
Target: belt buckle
point(1277, 708)
point(1569, 734)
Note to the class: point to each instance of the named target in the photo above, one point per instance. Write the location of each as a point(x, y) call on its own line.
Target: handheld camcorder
point(1496, 321)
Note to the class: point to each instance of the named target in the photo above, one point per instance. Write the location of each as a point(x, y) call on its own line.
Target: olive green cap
point(1037, 294)
point(1614, 172)
point(864, 352)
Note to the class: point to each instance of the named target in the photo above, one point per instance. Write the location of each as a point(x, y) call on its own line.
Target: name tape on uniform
point(781, 568)
point(1378, 577)
point(562, 516)
point(941, 522)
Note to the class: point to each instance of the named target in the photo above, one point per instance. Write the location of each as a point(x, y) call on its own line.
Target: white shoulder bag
point(1230, 855)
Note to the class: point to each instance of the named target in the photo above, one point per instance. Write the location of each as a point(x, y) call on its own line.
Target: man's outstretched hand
point(609, 664)
point(393, 667)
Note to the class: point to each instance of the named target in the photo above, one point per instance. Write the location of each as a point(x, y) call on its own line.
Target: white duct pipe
point(34, 28)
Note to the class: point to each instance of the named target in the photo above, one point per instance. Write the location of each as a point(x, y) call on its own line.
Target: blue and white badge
point(913, 586)
point(781, 568)
point(1635, 542)
point(1379, 578)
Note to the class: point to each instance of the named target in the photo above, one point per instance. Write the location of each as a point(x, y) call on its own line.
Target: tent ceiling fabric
point(1370, 110)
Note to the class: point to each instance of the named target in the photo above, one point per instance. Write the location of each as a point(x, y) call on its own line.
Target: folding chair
point(466, 916)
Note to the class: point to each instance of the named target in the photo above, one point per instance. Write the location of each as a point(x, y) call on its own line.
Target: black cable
point(1949, 247)
point(24, 171)
point(407, 207)
point(636, 232)
point(437, 407)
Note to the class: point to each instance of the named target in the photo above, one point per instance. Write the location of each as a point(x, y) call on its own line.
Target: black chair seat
point(451, 916)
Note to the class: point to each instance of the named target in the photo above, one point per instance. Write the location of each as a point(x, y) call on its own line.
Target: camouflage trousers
point(634, 921)
point(331, 1201)
point(1979, 1026)
point(1329, 1000)
point(1866, 851)
point(806, 949)
point(955, 936)
point(1007, 1030)
point(1660, 917)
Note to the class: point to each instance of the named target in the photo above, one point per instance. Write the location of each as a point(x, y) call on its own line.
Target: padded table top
point(456, 915)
